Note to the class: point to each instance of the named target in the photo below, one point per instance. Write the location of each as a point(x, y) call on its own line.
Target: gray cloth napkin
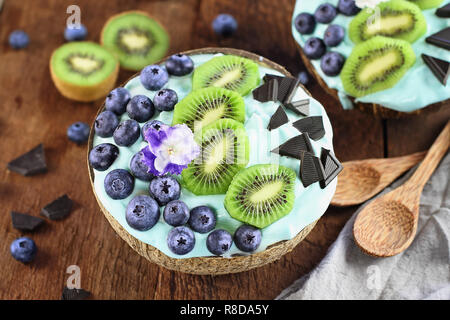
point(420, 272)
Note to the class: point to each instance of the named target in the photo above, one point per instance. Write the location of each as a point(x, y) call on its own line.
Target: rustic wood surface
point(33, 112)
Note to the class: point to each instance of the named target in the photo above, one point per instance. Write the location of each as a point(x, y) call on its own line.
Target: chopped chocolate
point(286, 87)
point(30, 163)
point(444, 12)
point(269, 77)
point(267, 92)
point(58, 209)
point(300, 107)
point(440, 39)
point(440, 68)
point(311, 169)
point(294, 147)
point(312, 125)
point(74, 294)
point(331, 165)
point(25, 222)
point(278, 119)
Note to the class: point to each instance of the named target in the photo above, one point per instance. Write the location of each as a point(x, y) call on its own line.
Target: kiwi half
point(427, 4)
point(224, 151)
point(397, 19)
point(229, 72)
point(375, 65)
point(83, 71)
point(135, 38)
point(205, 106)
point(261, 194)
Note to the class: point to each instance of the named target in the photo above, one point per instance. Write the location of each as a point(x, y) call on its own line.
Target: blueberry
point(154, 77)
point(348, 7)
point(140, 108)
point(139, 169)
point(305, 23)
point(102, 156)
point(225, 25)
point(117, 100)
point(247, 238)
point(142, 213)
point(325, 13)
point(333, 35)
point(78, 132)
point(75, 33)
point(332, 63)
point(105, 124)
point(127, 133)
point(18, 39)
point(155, 124)
point(164, 189)
point(165, 100)
point(314, 48)
point(119, 184)
point(202, 219)
point(219, 242)
point(176, 213)
point(179, 65)
point(303, 77)
point(23, 249)
point(181, 240)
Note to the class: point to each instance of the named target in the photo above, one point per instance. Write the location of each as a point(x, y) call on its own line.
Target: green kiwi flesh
point(375, 65)
point(261, 194)
point(136, 39)
point(229, 72)
point(427, 4)
point(398, 19)
point(224, 152)
point(205, 106)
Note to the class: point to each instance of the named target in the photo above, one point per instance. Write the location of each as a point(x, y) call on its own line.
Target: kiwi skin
point(84, 93)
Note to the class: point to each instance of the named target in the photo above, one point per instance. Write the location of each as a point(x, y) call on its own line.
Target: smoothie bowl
point(214, 161)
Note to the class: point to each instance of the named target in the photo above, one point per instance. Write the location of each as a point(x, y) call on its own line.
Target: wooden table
point(33, 111)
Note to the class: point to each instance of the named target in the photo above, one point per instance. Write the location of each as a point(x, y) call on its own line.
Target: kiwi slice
point(205, 106)
point(135, 38)
point(224, 151)
point(376, 65)
point(427, 4)
point(397, 19)
point(83, 71)
point(261, 194)
point(229, 72)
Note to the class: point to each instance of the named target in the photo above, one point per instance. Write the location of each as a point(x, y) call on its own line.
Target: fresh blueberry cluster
point(315, 48)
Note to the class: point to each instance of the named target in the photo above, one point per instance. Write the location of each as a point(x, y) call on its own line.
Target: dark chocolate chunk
point(440, 68)
point(74, 294)
point(311, 169)
point(300, 107)
point(444, 12)
point(30, 163)
point(294, 147)
point(312, 125)
point(440, 39)
point(286, 87)
point(267, 92)
point(25, 222)
point(331, 165)
point(269, 77)
point(278, 119)
point(58, 209)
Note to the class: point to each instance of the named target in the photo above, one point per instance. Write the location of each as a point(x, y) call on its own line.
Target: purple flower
point(170, 149)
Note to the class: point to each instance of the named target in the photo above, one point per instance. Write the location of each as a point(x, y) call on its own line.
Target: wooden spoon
point(387, 225)
point(362, 179)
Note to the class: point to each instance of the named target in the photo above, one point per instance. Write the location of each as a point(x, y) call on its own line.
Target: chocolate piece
point(440, 68)
point(286, 87)
point(294, 147)
point(30, 163)
point(267, 92)
point(300, 107)
point(312, 125)
point(269, 77)
point(278, 119)
point(444, 12)
point(311, 169)
point(74, 294)
point(440, 39)
point(331, 165)
point(25, 222)
point(58, 209)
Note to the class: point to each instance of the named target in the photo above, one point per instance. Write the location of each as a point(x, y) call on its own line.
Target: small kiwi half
point(224, 151)
point(83, 71)
point(375, 65)
point(427, 4)
point(135, 38)
point(398, 19)
point(229, 72)
point(261, 194)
